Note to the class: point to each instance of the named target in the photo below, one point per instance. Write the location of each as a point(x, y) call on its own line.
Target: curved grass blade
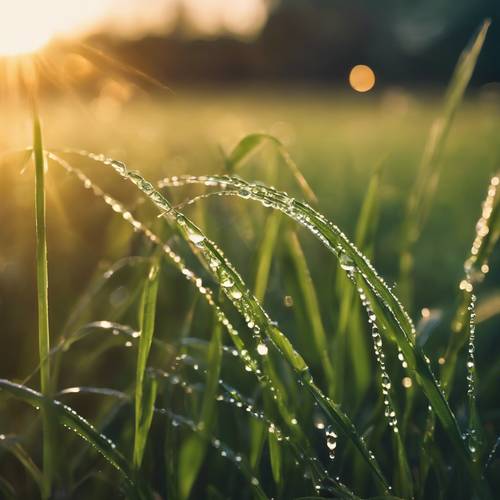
point(7, 490)
point(95, 286)
point(251, 143)
point(237, 292)
point(145, 389)
point(269, 384)
point(255, 316)
point(101, 391)
point(476, 267)
point(225, 451)
point(389, 310)
point(69, 418)
point(174, 258)
point(13, 445)
point(422, 195)
point(306, 457)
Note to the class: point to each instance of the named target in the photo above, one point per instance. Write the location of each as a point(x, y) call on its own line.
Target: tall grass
point(227, 402)
point(43, 303)
point(422, 194)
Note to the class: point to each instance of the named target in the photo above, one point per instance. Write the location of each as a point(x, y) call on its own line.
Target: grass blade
point(422, 195)
point(193, 451)
point(13, 445)
point(237, 292)
point(266, 251)
point(312, 306)
point(348, 332)
point(396, 322)
point(265, 255)
point(251, 143)
point(67, 417)
point(43, 304)
point(7, 490)
point(145, 390)
point(476, 267)
point(248, 146)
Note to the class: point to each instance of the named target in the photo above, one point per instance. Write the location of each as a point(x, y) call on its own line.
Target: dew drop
point(346, 262)
point(262, 349)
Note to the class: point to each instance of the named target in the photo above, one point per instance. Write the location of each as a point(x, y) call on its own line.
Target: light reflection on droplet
point(407, 383)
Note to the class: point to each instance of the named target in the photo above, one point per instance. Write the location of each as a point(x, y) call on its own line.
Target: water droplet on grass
point(262, 349)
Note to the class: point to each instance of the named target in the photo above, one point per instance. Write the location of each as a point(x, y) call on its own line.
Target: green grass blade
point(66, 416)
point(265, 255)
point(312, 306)
point(276, 459)
point(193, 451)
point(228, 453)
point(237, 292)
point(396, 321)
point(145, 391)
point(422, 195)
point(178, 262)
point(476, 267)
point(225, 275)
point(13, 445)
point(43, 305)
point(348, 335)
point(248, 146)
point(7, 490)
point(251, 143)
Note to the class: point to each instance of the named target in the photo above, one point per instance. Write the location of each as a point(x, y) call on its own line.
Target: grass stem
point(42, 299)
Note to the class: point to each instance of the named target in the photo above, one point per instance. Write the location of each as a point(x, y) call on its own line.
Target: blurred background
point(345, 85)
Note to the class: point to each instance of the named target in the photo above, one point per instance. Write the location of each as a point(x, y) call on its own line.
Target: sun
point(25, 26)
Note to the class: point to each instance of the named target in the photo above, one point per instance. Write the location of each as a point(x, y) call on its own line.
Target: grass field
point(338, 141)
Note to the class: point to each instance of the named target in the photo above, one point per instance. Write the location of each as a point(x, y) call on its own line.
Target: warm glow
point(27, 25)
point(362, 78)
point(23, 27)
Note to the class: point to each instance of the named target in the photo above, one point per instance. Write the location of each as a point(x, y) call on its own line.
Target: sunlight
point(28, 25)
point(22, 30)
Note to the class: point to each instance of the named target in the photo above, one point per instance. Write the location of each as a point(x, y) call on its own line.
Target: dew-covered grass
point(239, 304)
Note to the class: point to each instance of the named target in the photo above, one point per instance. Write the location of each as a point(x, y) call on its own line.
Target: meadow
point(332, 393)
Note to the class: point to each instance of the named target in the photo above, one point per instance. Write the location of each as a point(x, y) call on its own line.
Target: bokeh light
point(362, 78)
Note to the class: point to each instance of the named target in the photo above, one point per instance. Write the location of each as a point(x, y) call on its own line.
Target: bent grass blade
point(251, 143)
point(67, 417)
point(250, 363)
point(389, 310)
point(237, 292)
